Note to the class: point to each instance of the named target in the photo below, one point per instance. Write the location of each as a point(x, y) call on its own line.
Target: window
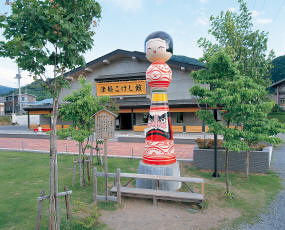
point(23, 98)
point(179, 117)
point(282, 101)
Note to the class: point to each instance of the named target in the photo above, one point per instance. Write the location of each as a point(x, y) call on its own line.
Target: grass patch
point(5, 120)
point(251, 196)
point(24, 175)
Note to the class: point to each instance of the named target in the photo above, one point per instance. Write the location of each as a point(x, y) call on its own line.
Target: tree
point(219, 71)
point(40, 35)
point(79, 107)
point(248, 47)
point(278, 71)
point(240, 100)
point(251, 114)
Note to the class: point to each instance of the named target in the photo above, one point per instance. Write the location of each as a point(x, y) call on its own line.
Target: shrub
point(208, 143)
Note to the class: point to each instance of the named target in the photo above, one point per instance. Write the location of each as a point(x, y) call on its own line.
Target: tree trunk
point(83, 165)
point(53, 152)
point(247, 164)
point(79, 163)
point(227, 171)
point(97, 152)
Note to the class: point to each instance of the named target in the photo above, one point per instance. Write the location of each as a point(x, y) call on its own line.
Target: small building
point(279, 93)
point(25, 99)
point(2, 106)
point(121, 75)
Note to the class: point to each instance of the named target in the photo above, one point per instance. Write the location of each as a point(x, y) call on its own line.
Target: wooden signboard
point(120, 88)
point(104, 129)
point(104, 124)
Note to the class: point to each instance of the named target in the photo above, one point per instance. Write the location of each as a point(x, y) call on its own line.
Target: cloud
point(128, 5)
point(264, 21)
point(203, 1)
point(255, 13)
point(202, 20)
point(257, 17)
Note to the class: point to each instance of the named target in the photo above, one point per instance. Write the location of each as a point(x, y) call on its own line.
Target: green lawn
point(23, 175)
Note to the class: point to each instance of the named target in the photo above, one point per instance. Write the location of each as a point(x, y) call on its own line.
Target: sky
point(126, 23)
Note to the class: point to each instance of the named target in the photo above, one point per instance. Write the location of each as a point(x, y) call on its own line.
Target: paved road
point(115, 148)
point(275, 218)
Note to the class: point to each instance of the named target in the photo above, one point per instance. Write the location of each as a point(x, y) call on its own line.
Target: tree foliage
point(79, 107)
point(46, 34)
point(247, 47)
point(241, 103)
point(278, 71)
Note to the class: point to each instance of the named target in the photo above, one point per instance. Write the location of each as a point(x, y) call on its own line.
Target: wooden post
point(118, 187)
point(88, 170)
point(203, 188)
point(83, 165)
point(57, 225)
point(39, 215)
point(68, 214)
point(79, 163)
point(95, 184)
point(91, 149)
point(106, 169)
point(74, 173)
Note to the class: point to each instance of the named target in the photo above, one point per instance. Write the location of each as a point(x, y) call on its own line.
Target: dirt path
point(140, 214)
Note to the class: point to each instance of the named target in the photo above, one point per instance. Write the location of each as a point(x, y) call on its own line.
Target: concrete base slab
point(163, 170)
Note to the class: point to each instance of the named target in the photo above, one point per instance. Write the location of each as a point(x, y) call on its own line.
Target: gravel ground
point(274, 219)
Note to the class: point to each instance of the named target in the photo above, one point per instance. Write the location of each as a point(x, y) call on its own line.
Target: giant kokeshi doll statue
point(159, 157)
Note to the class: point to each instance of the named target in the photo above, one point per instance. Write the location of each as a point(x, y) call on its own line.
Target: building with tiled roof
point(121, 75)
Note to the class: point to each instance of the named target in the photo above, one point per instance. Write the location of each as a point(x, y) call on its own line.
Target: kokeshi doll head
point(158, 47)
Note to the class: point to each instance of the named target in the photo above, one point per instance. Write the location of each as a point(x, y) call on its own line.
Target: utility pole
point(13, 100)
point(18, 76)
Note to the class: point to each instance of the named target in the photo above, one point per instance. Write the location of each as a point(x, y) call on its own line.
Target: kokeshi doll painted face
point(158, 47)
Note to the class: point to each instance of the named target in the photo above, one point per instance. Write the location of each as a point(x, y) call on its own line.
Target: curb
point(73, 154)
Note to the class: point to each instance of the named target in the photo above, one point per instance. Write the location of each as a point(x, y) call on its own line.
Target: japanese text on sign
point(121, 88)
point(104, 126)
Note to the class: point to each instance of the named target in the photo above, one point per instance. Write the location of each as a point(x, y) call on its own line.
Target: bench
point(154, 194)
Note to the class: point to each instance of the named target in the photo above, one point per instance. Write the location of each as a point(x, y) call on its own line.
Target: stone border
point(259, 161)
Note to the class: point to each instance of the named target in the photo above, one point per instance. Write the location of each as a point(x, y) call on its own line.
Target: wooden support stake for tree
point(39, 215)
point(57, 224)
point(95, 184)
point(91, 149)
point(68, 214)
point(118, 187)
point(79, 163)
point(88, 171)
point(74, 173)
point(106, 169)
point(83, 165)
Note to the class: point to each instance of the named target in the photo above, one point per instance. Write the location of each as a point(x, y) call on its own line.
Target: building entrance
point(125, 121)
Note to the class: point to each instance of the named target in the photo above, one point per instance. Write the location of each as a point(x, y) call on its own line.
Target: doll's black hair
point(162, 35)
